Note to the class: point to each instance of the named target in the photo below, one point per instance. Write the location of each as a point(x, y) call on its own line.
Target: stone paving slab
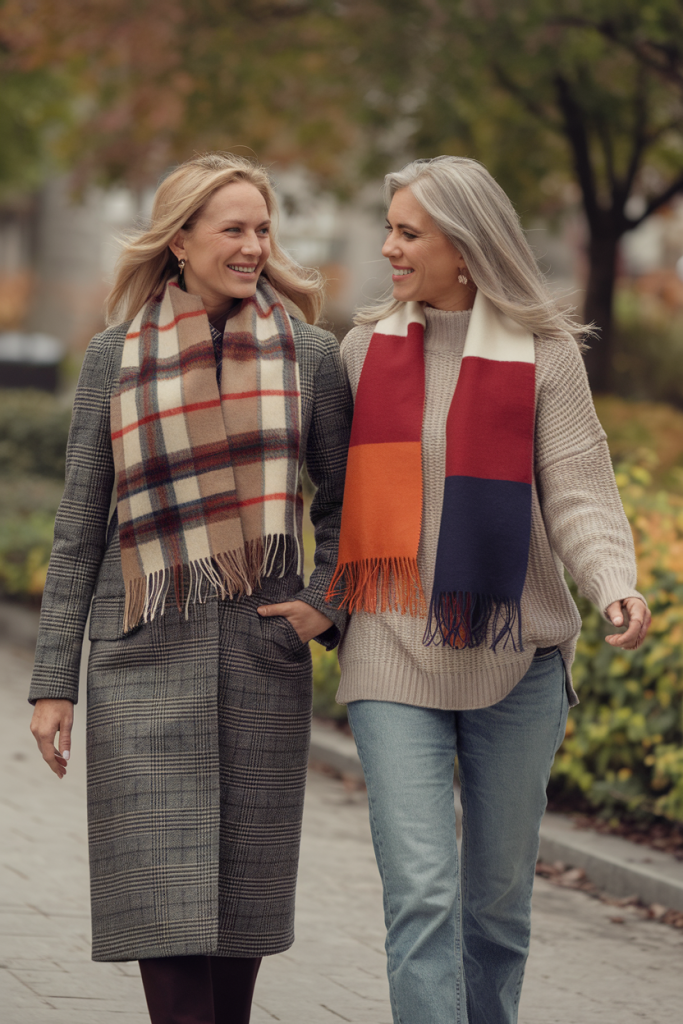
point(583, 969)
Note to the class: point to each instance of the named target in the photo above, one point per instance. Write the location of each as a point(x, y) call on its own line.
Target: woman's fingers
point(647, 621)
point(275, 609)
point(614, 613)
point(49, 718)
point(65, 735)
point(639, 619)
point(306, 621)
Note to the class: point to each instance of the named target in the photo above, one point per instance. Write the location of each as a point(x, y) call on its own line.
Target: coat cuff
point(46, 691)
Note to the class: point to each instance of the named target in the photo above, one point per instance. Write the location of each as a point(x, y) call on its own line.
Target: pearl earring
point(462, 279)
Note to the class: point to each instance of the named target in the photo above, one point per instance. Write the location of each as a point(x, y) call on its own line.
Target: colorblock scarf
point(207, 481)
point(483, 545)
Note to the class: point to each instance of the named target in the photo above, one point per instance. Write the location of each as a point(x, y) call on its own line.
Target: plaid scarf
point(483, 545)
point(207, 479)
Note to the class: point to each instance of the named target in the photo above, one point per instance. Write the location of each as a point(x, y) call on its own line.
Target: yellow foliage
point(625, 747)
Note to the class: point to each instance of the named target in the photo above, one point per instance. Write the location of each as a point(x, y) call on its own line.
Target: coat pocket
point(106, 618)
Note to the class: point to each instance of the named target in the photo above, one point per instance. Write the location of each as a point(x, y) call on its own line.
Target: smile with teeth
point(241, 269)
point(402, 271)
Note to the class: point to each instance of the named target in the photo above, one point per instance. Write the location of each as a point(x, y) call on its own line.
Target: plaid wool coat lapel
point(182, 862)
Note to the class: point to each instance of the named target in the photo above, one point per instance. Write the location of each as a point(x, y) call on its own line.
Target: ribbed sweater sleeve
point(582, 509)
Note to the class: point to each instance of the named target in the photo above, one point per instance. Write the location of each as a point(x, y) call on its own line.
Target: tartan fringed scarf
point(483, 545)
point(207, 482)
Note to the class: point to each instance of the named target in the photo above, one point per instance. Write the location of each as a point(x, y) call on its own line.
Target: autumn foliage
point(624, 744)
point(147, 82)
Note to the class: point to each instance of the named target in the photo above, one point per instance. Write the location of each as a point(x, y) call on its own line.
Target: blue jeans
point(457, 942)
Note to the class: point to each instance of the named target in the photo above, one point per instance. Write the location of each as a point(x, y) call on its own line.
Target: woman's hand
point(639, 620)
point(49, 718)
point(307, 621)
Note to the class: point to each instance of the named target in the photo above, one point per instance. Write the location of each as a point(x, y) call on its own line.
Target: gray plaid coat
point(197, 730)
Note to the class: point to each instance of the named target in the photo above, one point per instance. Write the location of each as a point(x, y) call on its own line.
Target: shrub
point(25, 544)
point(27, 512)
point(624, 743)
point(34, 427)
point(325, 684)
point(648, 357)
point(650, 433)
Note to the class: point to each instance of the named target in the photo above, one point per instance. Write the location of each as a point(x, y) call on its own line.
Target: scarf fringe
point(378, 585)
point(463, 620)
point(227, 574)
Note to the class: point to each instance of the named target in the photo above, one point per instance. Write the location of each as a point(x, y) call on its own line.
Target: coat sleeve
point(326, 452)
point(80, 528)
point(582, 509)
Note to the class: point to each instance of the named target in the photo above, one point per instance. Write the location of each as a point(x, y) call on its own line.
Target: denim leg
point(505, 753)
point(408, 756)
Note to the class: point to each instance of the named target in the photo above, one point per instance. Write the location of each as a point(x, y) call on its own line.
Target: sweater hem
point(401, 683)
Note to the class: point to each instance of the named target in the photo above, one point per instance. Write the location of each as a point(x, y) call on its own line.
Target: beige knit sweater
point(577, 521)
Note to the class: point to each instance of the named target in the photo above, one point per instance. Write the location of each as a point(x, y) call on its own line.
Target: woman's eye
point(409, 236)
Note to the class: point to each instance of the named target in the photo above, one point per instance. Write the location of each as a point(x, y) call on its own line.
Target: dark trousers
point(199, 989)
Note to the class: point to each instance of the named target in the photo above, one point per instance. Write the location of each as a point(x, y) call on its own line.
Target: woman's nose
point(252, 244)
point(389, 248)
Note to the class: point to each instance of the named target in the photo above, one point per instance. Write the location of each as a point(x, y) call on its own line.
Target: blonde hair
point(146, 263)
point(475, 214)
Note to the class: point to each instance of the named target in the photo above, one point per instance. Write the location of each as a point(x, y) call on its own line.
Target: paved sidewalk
point(584, 969)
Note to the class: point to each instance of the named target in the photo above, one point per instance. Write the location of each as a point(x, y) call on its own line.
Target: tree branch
point(674, 188)
point(533, 108)
point(666, 60)
point(578, 139)
point(640, 135)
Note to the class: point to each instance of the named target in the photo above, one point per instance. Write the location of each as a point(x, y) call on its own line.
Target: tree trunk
point(602, 257)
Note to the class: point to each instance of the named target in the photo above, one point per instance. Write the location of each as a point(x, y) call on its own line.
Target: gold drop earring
point(181, 273)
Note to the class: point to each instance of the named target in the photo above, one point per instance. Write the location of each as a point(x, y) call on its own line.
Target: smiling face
point(424, 261)
point(226, 248)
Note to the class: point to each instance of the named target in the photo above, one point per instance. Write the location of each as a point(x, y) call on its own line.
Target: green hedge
point(34, 427)
point(25, 545)
point(33, 432)
point(27, 513)
point(624, 744)
point(325, 684)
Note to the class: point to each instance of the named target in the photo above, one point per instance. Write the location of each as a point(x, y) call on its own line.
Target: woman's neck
point(456, 302)
point(217, 311)
point(217, 306)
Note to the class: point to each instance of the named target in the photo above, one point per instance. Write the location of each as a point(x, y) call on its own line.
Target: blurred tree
point(559, 98)
point(33, 100)
point(154, 79)
point(543, 91)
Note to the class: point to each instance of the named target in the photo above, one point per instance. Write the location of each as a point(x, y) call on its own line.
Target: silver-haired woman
point(197, 410)
point(477, 469)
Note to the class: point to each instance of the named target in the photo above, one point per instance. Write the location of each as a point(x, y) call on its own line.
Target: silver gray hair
point(475, 214)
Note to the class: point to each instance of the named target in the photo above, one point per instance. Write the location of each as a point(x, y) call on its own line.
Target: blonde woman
point(477, 468)
point(197, 410)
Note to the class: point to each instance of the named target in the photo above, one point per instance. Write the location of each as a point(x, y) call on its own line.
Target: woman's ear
point(177, 245)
